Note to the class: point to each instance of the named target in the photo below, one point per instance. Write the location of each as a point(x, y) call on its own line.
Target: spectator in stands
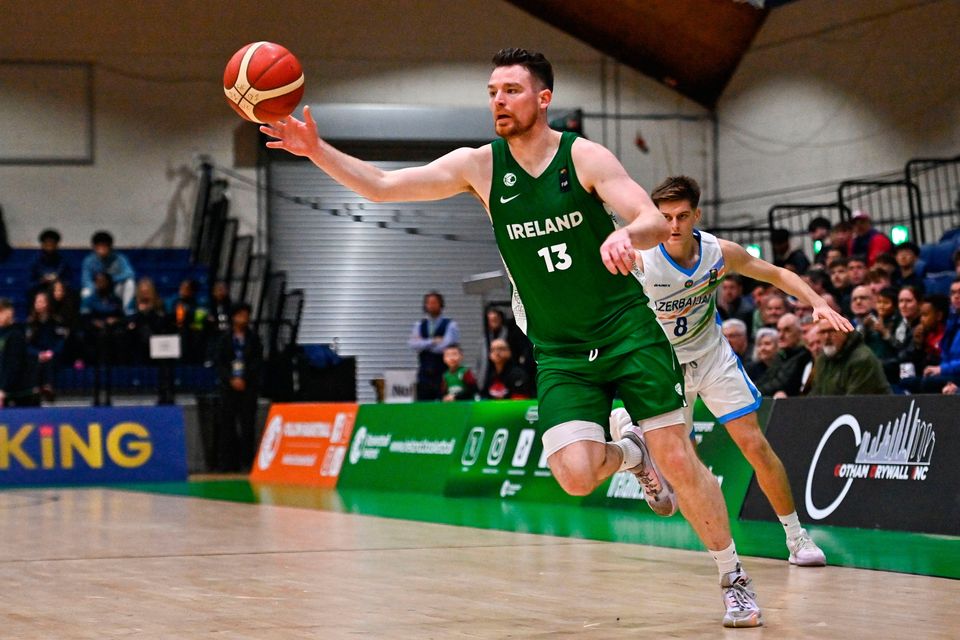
point(103, 259)
point(46, 337)
point(102, 313)
point(774, 307)
point(863, 306)
point(786, 257)
point(65, 305)
point(818, 279)
point(819, 231)
point(866, 240)
point(189, 320)
point(17, 373)
point(887, 262)
point(219, 317)
point(764, 352)
point(886, 309)
point(150, 319)
point(840, 236)
point(878, 279)
point(239, 363)
point(813, 344)
point(735, 331)
point(50, 265)
point(840, 281)
point(936, 376)
point(857, 270)
point(459, 383)
point(846, 367)
point(907, 254)
point(429, 337)
point(731, 303)
point(925, 348)
point(505, 379)
point(784, 376)
point(498, 326)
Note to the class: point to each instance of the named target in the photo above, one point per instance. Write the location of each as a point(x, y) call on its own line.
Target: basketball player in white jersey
point(680, 277)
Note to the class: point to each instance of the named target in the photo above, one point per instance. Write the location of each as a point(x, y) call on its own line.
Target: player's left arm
point(599, 171)
point(737, 259)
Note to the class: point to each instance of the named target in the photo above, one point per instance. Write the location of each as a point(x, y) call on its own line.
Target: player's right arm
point(453, 173)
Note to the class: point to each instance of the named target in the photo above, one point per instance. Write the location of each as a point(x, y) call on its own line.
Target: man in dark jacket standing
point(846, 367)
point(17, 377)
point(239, 362)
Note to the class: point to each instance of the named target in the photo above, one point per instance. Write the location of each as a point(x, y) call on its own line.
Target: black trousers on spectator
point(236, 431)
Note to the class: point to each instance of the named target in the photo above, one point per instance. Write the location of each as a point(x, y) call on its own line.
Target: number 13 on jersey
point(560, 260)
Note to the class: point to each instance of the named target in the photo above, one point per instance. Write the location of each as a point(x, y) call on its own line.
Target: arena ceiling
point(692, 46)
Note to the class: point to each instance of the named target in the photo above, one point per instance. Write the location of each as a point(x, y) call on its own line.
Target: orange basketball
point(263, 82)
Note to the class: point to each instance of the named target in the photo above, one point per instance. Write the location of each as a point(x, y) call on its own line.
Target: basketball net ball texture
point(263, 82)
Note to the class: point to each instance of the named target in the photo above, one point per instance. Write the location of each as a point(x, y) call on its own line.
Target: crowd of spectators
point(108, 321)
point(906, 340)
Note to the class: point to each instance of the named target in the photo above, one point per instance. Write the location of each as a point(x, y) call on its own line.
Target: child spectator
point(458, 382)
point(50, 265)
point(856, 270)
point(189, 320)
point(103, 259)
point(46, 338)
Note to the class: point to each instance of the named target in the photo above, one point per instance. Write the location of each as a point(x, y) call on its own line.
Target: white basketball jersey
point(685, 300)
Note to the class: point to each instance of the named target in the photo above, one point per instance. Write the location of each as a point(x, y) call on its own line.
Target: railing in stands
point(938, 180)
point(890, 203)
point(796, 219)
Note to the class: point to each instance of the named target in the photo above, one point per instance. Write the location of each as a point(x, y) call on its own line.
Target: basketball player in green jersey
point(574, 295)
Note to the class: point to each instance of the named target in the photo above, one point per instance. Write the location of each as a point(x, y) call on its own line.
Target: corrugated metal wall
point(364, 280)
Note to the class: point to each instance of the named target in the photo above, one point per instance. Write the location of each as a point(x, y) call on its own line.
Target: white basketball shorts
point(719, 379)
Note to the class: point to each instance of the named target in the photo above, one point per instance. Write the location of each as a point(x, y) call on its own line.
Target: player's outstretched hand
point(617, 252)
point(299, 138)
point(836, 320)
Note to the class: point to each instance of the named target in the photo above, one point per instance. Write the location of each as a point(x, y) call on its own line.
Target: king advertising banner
point(888, 462)
point(81, 445)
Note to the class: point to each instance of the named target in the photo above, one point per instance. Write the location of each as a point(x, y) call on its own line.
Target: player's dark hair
point(677, 188)
point(533, 61)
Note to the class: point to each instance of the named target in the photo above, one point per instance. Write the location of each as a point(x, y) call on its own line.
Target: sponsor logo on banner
point(304, 443)
point(369, 446)
point(81, 445)
point(900, 450)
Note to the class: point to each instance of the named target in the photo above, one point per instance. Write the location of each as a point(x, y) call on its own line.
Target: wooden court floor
point(99, 563)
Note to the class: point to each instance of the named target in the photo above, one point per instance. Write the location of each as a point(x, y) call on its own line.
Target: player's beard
point(515, 128)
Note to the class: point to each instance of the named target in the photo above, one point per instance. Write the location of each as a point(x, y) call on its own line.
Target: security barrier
point(92, 445)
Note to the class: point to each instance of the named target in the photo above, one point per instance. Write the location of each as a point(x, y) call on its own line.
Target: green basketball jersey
point(549, 230)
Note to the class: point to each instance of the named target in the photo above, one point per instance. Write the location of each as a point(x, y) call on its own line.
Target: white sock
point(791, 525)
point(632, 455)
point(727, 560)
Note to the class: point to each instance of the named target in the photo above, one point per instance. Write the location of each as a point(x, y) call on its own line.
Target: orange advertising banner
point(304, 443)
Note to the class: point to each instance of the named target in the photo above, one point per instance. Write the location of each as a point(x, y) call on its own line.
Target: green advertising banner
point(404, 447)
point(718, 452)
point(501, 455)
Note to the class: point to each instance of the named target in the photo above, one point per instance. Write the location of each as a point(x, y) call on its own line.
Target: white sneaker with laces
point(656, 490)
point(740, 600)
point(804, 552)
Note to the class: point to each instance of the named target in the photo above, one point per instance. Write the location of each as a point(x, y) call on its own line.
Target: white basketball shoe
point(739, 600)
point(656, 490)
point(804, 552)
